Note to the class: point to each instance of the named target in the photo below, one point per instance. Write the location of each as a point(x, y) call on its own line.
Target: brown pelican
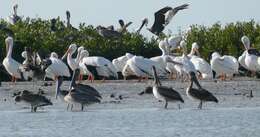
point(78, 93)
point(165, 93)
point(199, 94)
point(35, 100)
point(163, 18)
point(108, 33)
point(14, 17)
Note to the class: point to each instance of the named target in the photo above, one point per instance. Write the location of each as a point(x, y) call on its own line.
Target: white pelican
point(201, 65)
point(99, 67)
point(142, 67)
point(224, 66)
point(120, 62)
point(183, 65)
point(56, 68)
point(249, 59)
point(12, 66)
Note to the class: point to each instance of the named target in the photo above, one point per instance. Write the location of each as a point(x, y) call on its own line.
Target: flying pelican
point(164, 93)
point(250, 58)
point(224, 66)
point(35, 100)
point(163, 18)
point(199, 94)
point(78, 93)
point(201, 65)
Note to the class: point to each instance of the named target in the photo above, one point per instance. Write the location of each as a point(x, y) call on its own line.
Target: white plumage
point(226, 65)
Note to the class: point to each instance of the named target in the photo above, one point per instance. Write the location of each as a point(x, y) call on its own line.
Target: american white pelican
point(201, 65)
point(183, 66)
point(224, 66)
point(250, 58)
point(12, 66)
point(199, 94)
point(99, 67)
point(120, 62)
point(56, 68)
point(164, 93)
point(142, 67)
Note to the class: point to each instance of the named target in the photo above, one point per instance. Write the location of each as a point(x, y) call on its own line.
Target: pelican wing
point(202, 94)
point(169, 93)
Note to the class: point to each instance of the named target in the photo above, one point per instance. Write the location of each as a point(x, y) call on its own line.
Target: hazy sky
point(107, 12)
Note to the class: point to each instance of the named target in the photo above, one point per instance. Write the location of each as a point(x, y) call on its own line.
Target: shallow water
point(234, 116)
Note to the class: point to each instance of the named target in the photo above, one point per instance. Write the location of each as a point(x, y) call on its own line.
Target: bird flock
point(188, 67)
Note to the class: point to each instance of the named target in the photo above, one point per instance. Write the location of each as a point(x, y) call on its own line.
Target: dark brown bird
point(199, 94)
point(35, 100)
point(164, 93)
point(163, 18)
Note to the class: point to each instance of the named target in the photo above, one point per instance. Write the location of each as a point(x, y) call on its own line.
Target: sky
point(108, 12)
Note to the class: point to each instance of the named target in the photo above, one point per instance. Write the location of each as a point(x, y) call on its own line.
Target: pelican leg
point(166, 104)
point(82, 107)
point(34, 109)
point(71, 107)
point(31, 108)
point(200, 105)
point(68, 106)
point(179, 106)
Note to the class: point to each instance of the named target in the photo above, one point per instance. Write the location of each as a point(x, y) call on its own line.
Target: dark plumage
point(123, 26)
point(163, 17)
point(35, 100)
point(108, 33)
point(165, 93)
point(78, 93)
point(144, 23)
point(199, 94)
point(147, 90)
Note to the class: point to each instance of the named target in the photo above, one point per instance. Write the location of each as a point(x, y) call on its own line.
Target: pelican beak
point(174, 62)
point(66, 54)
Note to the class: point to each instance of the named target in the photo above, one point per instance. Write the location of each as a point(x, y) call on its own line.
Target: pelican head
point(15, 7)
point(145, 21)
point(183, 46)
point(80, 49)
point(215, 55)
point(54, 55)
point(129, 55)
point(72, 48)
point(195, 47)
point(83, 54)
point(24, 54)
point(245, 40)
